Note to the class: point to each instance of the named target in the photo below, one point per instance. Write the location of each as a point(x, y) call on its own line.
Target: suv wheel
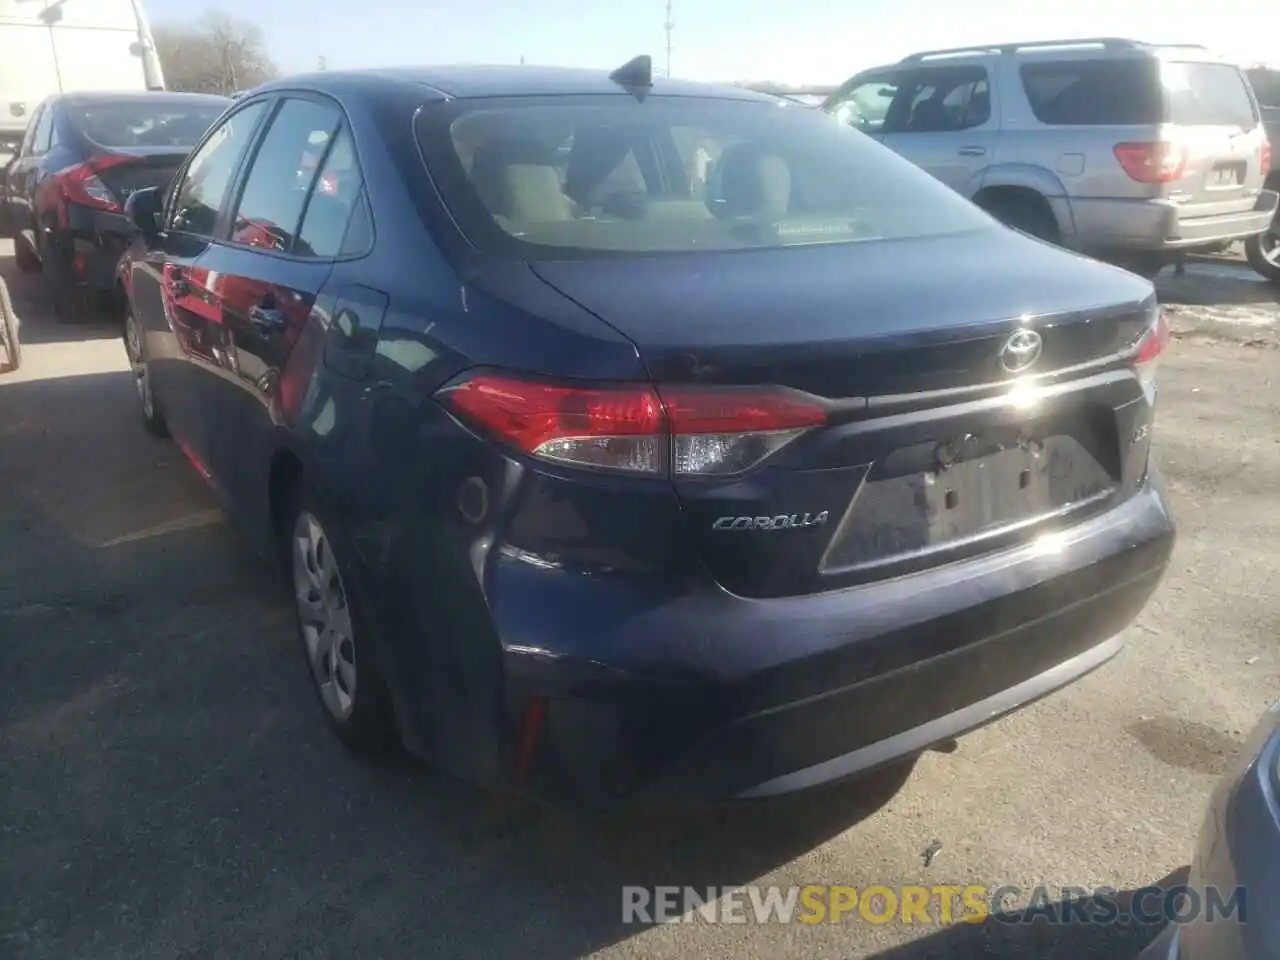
point(1263, 253)
point(1024, 212)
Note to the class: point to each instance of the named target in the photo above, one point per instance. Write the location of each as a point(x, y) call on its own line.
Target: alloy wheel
point(138, 363)
point(1269, 247)
point(324, 616)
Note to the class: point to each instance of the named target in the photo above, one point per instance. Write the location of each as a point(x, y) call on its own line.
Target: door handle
point(972, 151)
point(268, 318)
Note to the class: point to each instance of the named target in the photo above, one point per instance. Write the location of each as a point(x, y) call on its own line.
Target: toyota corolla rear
point(877, 473)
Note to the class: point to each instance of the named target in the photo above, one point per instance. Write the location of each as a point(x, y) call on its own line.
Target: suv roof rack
point(1108, 43)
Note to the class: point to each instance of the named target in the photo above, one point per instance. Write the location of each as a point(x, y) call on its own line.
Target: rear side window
point(1207, 94)
point(199, 196)
point(336, 193)
point(42, 137)
point(612, 176)
point(281, 174)
point(1094, 92)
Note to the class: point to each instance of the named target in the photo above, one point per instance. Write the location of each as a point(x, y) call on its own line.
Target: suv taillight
point(1264, 157)
point(80, 183)
point(671, 430)
point(1160, 161)
point(1151, 346)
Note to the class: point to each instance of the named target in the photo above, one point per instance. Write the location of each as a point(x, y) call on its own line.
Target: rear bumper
point(710, 697)
point(1159, 225)
point(88, 250)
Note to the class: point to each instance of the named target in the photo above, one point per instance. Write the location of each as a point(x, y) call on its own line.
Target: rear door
point(943, 121)
point(1211, 112)
point(286, 230)
point(169, 286)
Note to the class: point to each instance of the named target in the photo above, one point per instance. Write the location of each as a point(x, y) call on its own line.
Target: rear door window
point(942, 99)
point(281, 174)
point(1207, 94)
point(1085, 93)
point(200, 193)
point(336, 193)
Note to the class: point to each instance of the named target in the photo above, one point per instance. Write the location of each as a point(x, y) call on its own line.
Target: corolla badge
point(784, 521)
point(1021, 350)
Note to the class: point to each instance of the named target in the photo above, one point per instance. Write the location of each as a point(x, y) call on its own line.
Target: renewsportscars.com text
point(938, 905)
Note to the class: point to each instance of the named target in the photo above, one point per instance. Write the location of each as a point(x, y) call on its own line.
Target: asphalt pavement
point(168, 790)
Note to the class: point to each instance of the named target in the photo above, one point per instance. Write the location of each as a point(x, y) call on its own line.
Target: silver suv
point(1122, 150)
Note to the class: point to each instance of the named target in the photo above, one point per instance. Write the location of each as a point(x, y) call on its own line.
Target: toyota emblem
point(1021, 350)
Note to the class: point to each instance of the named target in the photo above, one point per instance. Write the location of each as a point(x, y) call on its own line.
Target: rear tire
point(26, 259)
point(135, 346)
point(1027, 212)
point(1263, 254)
point(334, 630)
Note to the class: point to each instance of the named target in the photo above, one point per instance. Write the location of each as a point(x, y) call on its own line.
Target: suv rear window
point(1138, 92)
point(1094, 92)
point(549, 178)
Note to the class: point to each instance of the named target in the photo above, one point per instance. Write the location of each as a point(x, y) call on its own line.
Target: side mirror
point(143, 208)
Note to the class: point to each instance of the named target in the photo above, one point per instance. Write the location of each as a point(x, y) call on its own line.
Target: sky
point(798, 42)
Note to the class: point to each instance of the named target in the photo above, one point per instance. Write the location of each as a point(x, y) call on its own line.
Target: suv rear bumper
point(710, 697)
point(1158, 225)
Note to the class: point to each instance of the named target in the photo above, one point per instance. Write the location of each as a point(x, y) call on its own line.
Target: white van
point(61, 46)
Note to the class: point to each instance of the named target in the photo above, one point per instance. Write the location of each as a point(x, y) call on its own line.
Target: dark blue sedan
point(628, 440)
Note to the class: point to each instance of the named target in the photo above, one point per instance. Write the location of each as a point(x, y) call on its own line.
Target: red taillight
point(80, 183)
point(680, 430)
point(1264, 157)
point(1151, 346)
point(1160, 161)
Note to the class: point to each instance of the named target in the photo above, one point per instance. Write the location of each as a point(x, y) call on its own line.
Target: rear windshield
point(1137, 92)
point(145, 124)
point(610, 175)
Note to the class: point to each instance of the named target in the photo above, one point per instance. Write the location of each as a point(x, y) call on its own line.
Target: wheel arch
point(1024, 179)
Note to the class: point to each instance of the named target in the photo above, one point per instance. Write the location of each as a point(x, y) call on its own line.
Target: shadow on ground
point(31, 301)
point(1217, 283)
point(169, 788)
point(1027, 934)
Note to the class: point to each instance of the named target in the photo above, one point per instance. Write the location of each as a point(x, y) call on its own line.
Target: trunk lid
point(857, 320)
point(905, 340)
point(127, 171)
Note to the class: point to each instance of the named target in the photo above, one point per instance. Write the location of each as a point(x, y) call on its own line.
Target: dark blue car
point(631, 440)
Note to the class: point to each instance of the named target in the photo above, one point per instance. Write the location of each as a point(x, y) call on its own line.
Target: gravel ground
point(167, 788)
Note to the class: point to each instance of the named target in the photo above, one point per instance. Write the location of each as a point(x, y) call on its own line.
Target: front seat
point(518, 181)
point(752, 183)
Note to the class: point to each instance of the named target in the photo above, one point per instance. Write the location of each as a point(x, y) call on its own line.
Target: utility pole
point(669, 26)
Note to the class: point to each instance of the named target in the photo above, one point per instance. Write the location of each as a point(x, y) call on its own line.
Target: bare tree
point(217, 54)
